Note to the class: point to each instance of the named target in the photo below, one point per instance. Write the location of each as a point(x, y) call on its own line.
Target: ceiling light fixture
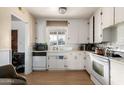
point(62, 10)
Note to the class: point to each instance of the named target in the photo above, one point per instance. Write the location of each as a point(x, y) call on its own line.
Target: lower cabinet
point(117, 72)
point(56, 62)
point(66, 61)
point(75, 61)
point(88, 62)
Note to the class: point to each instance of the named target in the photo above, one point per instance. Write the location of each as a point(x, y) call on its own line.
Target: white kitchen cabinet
point(77, 31)
point(60, 63)
point(56, 63)
point(80, 60)
point(98, 26)
point(73, 31)
point(75, 61)
point(119, 15)
point(117, 73)
point(107, 17)
point(88, 62)
point(52, 62)
point(91, 28)
point(69, 61)
point(41, 31)
point(83, 31)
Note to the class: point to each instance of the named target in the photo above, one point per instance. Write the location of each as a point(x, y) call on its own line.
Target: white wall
point(5, 34)
point(20, 27)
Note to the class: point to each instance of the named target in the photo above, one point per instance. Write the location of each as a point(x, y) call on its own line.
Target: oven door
point(100, 70)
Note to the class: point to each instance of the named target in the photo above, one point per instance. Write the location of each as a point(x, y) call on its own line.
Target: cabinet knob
point(79, 53)
point(75, 57)
point(101, 35)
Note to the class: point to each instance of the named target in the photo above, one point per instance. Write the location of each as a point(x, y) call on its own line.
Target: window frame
point(54, 28)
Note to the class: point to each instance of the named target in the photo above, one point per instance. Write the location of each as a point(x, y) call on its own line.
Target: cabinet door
point(41, 31)
point(73, 31)
point(82, 31)
point(60, 63)
point(80, 60)
point(70, 61)
point(98, 26)
point(107, 17)
point(117, 73)
point(90, 33)
point(52, 63)
point(75, 61)
point(88, 63)
point(119, 15)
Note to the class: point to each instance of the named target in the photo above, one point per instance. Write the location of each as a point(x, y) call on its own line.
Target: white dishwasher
point(39, 61)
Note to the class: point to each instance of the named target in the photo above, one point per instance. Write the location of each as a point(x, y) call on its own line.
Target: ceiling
point(52, 12)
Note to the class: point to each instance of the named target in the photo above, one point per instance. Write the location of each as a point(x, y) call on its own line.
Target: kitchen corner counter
point(61, 51)
point(117, 60)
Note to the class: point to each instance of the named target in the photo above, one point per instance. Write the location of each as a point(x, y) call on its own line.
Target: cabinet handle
point(101, 35)
point(79, 53)
point(75, 57)
point(88, 38)
point(84, 58)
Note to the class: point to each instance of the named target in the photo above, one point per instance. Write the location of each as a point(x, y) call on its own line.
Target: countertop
point(112, 59)
point(59, 51)
point(117, 60)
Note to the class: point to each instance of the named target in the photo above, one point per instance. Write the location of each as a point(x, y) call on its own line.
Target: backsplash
point(74, 46)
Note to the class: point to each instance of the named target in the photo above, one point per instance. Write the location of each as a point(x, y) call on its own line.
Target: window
point(57, 36)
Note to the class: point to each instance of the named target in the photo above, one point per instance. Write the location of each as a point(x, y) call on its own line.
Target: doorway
point(14, 35)
point(18, 44)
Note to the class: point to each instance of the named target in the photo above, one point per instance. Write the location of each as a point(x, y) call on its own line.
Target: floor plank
point(59, 78)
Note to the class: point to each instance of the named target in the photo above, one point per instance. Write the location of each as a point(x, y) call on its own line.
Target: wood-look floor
point(59, 78)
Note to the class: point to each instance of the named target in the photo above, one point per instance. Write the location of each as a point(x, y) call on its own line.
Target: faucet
point(108, 52)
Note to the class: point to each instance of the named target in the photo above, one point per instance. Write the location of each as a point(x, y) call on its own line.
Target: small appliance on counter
point(40, 47)
point(99, 51)
point(82, 47)
point(89, 47)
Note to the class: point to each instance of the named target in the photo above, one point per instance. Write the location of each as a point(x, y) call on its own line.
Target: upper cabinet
point(91, 30)
point(41, 31)
point(77, 31)
point(98, 36)
point(83, 32)
point(103, 18)
point(119, 15)
point(73, 31)
point(107, 17)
